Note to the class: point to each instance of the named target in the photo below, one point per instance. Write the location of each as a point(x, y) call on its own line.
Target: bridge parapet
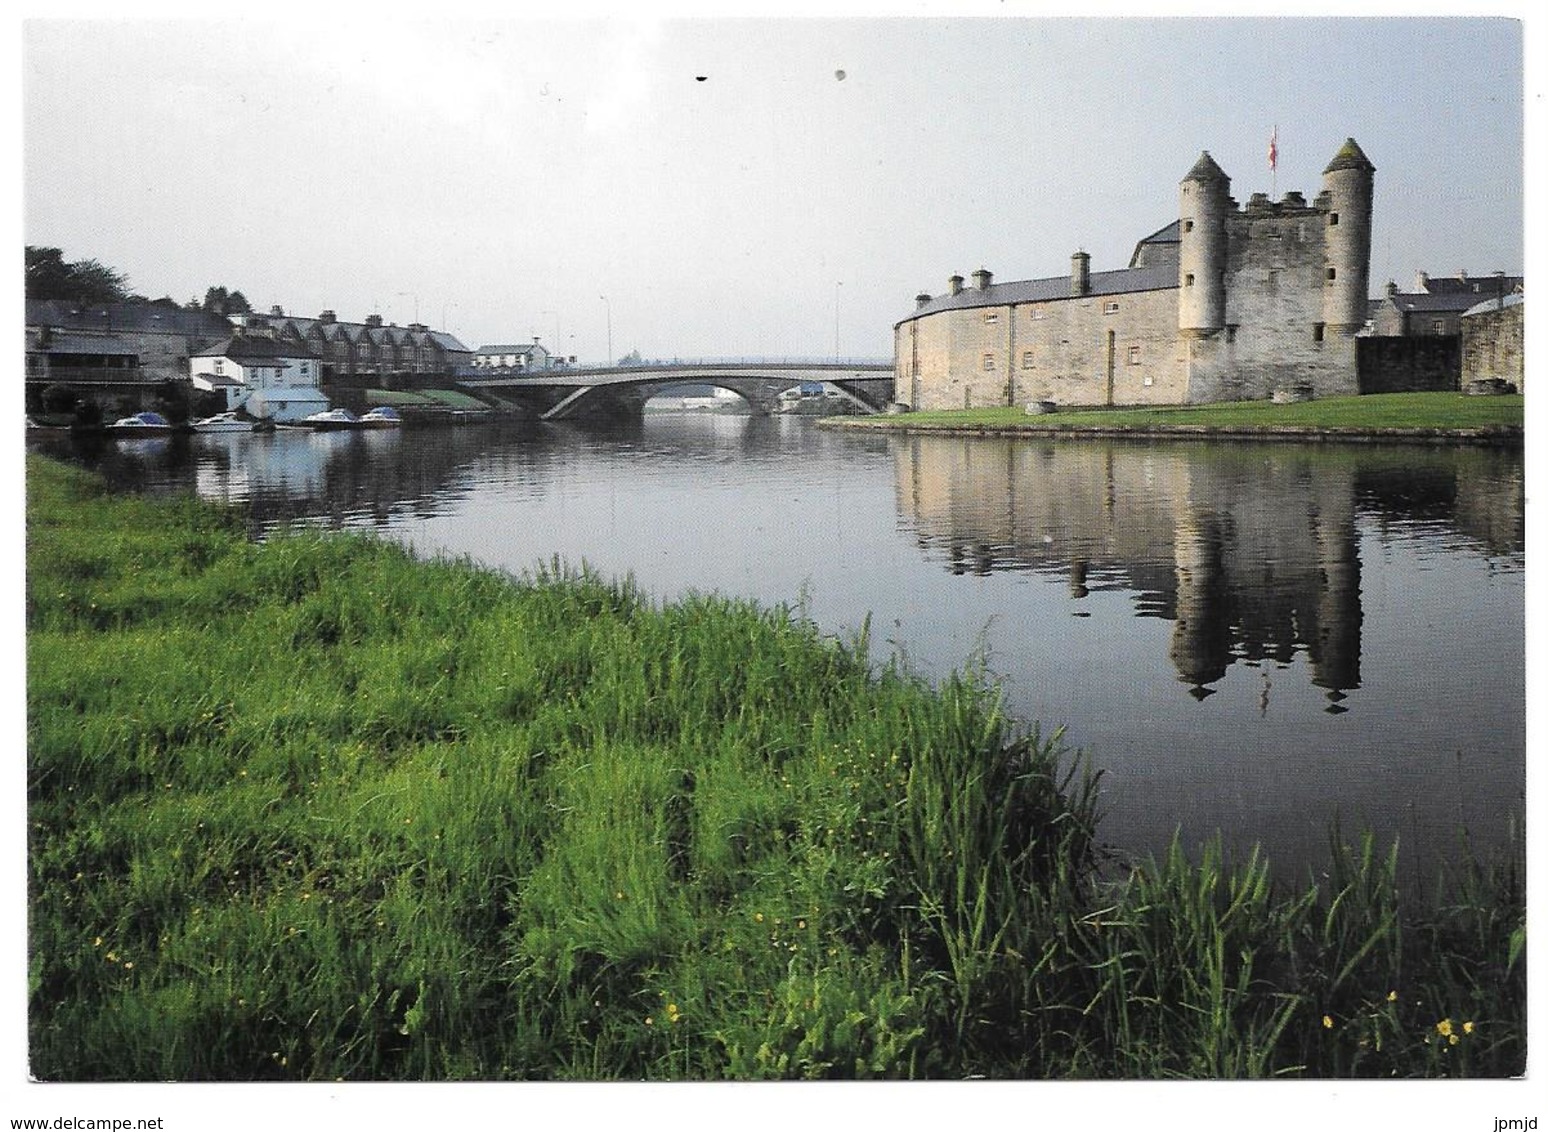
point(569, 390)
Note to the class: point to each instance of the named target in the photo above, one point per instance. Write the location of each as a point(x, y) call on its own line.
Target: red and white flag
point(1274, 150)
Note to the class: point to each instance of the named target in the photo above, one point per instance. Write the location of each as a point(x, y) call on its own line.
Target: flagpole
point(1273, 156)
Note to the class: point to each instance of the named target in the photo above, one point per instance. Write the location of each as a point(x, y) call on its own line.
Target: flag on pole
point(1274, 151)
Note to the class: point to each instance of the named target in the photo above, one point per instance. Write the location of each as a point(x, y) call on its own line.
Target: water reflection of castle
point(1250, 550)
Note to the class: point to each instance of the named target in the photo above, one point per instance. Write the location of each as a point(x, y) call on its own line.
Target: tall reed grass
point(312, 810)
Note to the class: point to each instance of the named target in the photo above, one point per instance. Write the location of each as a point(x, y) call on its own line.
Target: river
point(1259, 639)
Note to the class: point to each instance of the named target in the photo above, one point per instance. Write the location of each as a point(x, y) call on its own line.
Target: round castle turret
point(1348, 184)
point(1205, 204)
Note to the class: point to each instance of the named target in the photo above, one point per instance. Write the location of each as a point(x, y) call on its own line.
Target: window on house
point(991, 317)
point(1134, 355)
point(1188, 279)
point(220, 365)
point(1437, 327)
point(1110, 308)
point(1231, 332)
point(1332, 220)
point(1187, 225)
point(1316, 332)
point(988, 362)
point(1026, 359)
point(1332, 274)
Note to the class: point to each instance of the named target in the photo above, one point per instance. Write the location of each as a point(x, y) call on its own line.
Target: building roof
point(359, 331)
point(1436, 304)
point(1475, 285)
point(1130, 280)
point(513, 348)
point(138, 318)
point(1205, 169)
point(250, 348)
point(1490, 305)
point(92, 344)
point(1170, 234)
point(1350, 156)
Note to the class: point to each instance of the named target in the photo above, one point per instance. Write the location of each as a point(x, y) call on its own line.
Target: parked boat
point(382, 417)
point(223, 422)
point(333, 420)
point(141, 424)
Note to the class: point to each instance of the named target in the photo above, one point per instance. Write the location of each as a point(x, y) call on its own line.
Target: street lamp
point(609, 328)
point(836, 287)
point(558, 336)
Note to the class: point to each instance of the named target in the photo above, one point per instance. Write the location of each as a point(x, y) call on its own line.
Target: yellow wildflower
point(1392, 996)
point(1467, 1027)
point(1327, 1022)
point(649, 1021)
point(1443, 1027)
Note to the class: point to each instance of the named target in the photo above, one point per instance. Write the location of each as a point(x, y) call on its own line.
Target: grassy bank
point(1396, 415)
point(314, 810)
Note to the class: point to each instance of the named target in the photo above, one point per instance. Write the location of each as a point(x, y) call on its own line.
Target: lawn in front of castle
point(1360, 415)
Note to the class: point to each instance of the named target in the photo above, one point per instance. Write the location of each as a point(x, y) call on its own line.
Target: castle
point(1226, 303)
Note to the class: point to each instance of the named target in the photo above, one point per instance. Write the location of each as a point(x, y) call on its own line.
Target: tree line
point(88, 282)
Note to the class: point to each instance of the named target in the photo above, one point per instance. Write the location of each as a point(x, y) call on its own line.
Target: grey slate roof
point(126, 317)
point(104, 344)
point(1129, 280)
point(1350, 156)
point(1476, 285)
point(241, 347)
point(1206, 169)
point(1424, 303)
point(1494, 304)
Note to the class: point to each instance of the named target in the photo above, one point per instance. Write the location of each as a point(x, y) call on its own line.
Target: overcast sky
point(760, 187)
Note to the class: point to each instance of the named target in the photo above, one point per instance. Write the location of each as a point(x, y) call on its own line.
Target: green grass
point(1373, 413)
point(311, 809)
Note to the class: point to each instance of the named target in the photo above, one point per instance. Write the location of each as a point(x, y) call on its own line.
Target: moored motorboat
point(141, 424)
point(331, 421)
point(223, 422)
point(383, 416)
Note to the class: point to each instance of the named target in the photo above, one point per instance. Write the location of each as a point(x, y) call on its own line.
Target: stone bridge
point(571, 391)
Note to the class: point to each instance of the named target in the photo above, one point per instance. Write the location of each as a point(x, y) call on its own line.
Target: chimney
point(1080, 274)
point(1391, 289)
point(1462, 275)
point(921, 299)
point(373, 320)
point(982, 278)
point(954, 285)
point(1422, 282)
point(327, 318)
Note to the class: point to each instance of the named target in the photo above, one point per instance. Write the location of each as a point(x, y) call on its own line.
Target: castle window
point(1316, 332)
point(1026, 359)
point(1188, 279)
point(1332, 220)
point(1110, 308)
point(1332, 274)
point(1231, 328)
point(1187, 225)
point(1134, 355)
point(988, 363)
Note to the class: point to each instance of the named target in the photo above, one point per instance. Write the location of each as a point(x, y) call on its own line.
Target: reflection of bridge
point(623, 390)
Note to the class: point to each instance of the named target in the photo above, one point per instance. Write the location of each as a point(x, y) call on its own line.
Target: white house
point(512, 356)
point(270, 379)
